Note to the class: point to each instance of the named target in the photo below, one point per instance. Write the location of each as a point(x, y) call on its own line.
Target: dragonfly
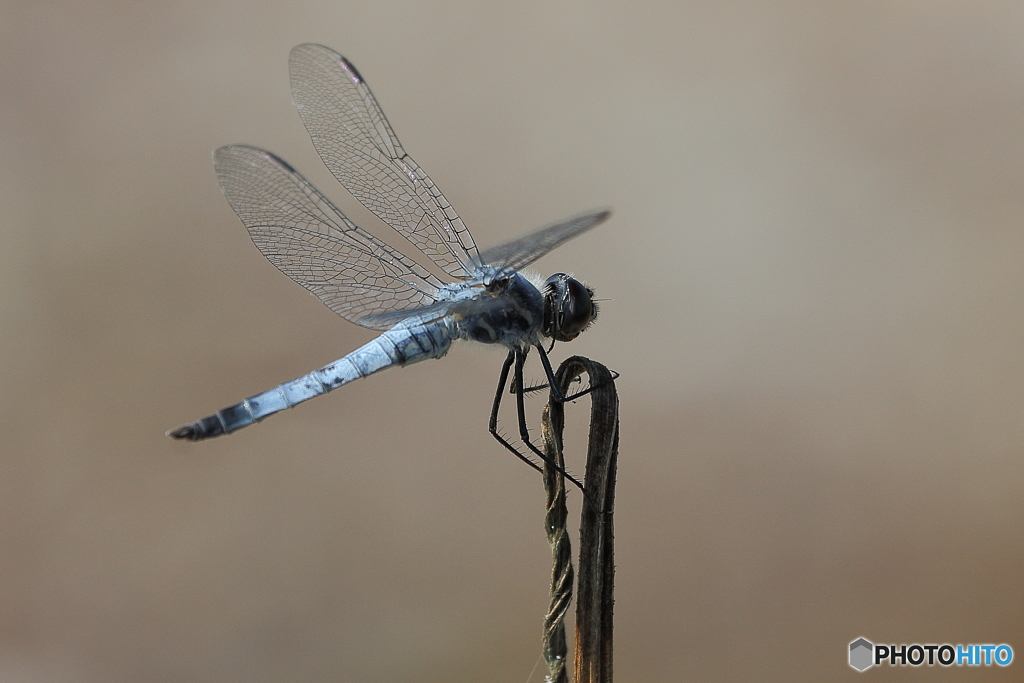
point(484, 298)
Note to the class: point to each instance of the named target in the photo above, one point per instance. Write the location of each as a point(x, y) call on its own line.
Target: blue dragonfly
point(486, 298)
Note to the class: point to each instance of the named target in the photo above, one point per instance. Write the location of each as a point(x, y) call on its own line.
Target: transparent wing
point(312, 242)
point(525, 250)
point(460, 308)
point(358, 145)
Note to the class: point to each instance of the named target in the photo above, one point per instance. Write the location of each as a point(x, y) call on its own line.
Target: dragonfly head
point(569, 307)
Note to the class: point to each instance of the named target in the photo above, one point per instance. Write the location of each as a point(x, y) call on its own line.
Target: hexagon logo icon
point(861, 654)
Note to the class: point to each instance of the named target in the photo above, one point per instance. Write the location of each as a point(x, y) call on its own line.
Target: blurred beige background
point(816, 268)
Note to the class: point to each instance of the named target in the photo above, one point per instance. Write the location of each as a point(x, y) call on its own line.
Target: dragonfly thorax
point(569, 307)
point(512, 314)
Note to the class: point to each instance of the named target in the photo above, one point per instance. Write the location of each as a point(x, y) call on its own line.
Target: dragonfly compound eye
point(568, 307)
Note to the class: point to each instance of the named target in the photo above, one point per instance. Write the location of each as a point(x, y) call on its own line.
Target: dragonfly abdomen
point(401, 345)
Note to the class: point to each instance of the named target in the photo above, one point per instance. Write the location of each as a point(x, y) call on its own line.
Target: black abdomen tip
point(197, 431)
point(186, 432)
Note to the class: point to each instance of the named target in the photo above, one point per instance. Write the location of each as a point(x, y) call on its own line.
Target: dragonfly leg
point(551, 383)
point(519, 358)
point(492, 425)
point(514, 388)
point(533, 388)
point(524, 431)
point(556, 392)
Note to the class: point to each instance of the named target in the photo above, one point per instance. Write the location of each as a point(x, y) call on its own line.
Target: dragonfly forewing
point(523, 251)
point(358, 145)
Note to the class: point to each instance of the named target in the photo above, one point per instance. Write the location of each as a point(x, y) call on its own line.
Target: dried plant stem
point(593, 660)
